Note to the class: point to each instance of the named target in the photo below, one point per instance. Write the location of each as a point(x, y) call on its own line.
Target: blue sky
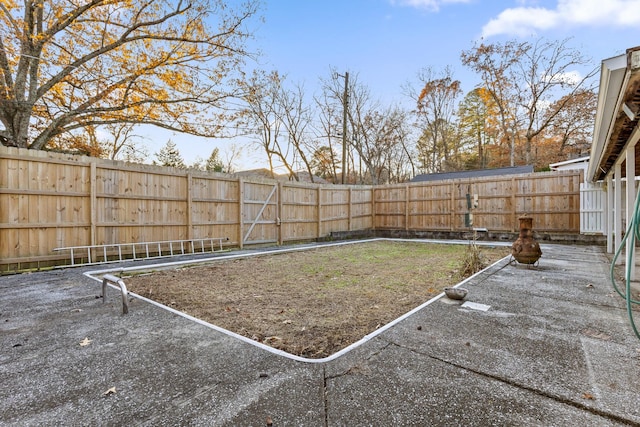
point(387, 42)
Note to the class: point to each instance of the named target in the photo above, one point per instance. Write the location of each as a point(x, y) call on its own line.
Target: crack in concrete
point(355, 368)
point(559, 399)
point(324, 393)
point(358, 367)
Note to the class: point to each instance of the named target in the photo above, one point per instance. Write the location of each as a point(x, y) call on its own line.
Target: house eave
point(617, 112)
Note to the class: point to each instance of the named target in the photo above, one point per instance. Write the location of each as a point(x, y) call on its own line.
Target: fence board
point(334, 211)
point(298, 212)
point(429, 207)
point(592, 208)
point(361, 201)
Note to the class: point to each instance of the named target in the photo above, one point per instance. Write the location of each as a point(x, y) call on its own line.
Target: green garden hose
point(633, 229)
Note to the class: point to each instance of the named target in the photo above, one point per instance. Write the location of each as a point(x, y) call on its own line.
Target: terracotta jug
point(526, 249)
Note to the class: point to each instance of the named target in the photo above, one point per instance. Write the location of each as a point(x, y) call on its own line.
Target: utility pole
point(345, 104)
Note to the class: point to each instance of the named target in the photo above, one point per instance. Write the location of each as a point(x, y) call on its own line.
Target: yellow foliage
point(141, 60)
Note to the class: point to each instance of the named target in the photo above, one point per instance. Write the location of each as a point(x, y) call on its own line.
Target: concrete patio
point(554, 348)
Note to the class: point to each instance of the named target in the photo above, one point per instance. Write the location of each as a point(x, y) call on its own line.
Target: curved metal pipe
point(109, 278)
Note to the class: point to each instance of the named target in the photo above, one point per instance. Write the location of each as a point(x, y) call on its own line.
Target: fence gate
point(259, 213)
point(593, 200)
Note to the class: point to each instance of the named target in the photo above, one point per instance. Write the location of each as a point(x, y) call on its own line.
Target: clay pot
point(526, 249)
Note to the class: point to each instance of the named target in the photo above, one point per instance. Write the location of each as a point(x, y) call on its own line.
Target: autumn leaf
point(85, 342)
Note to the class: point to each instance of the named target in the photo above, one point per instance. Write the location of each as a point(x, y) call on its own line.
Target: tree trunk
point(480, 151)
point(22, 134)
point(527, 153)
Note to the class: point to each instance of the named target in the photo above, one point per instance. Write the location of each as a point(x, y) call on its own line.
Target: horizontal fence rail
point(52, 200)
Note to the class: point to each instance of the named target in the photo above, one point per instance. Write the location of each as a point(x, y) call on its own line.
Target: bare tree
point(494, 63)
point(297, 116)
point(366, 123)
point(435, 112)
point(328, 140)
point(573, 123)
point(532, 84)
point(122, 142)
point(403, 160)
point(378, 135)
point(380, 139)
point(280, 119)
point(231, 154)
point(262, 115)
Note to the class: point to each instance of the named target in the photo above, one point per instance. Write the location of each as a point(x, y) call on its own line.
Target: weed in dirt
point(474, 260)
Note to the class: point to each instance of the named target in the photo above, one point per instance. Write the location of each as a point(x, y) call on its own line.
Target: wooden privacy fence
point(552, 198)
point(50, 200)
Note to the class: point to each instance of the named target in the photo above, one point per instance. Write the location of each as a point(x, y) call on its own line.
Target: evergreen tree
point(214, 164)
point(170, 156)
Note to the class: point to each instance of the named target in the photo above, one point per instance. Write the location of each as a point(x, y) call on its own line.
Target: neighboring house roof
point(579, 163)
point(304, 176)
point(513, 170)
point(262, 173)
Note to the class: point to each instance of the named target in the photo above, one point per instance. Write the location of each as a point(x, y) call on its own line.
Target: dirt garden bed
point(312, 303)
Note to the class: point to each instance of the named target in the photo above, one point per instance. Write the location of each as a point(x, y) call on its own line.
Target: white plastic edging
point(92, 275)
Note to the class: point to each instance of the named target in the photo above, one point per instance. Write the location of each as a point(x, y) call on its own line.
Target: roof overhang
point(617, 114)
point(585, 159)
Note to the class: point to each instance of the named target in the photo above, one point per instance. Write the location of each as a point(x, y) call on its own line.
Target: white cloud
point(431, 5)
point(570, 78)
point(522, 21)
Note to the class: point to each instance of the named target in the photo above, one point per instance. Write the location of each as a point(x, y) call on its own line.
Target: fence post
point(279, 213)
point(241, 212)
point(514, 211)
point(406, 207)
point(349, 207)
point(189, 206)
point(319, 210)
point(452, 204)
point(93, 202)
point(373, 207)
